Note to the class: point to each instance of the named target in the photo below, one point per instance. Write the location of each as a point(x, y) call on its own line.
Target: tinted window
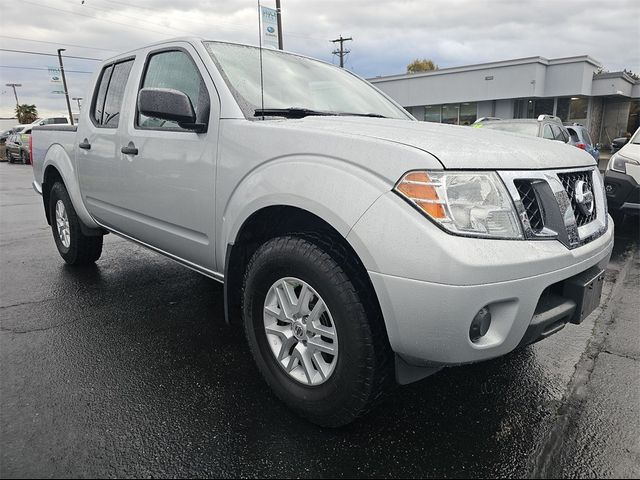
point(102, 91)
point(558, 134)
point(115, 94)
point(175, 70)
point(574, 135)
point(547, 133)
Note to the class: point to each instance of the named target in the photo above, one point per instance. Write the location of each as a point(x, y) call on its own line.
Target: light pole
point(77, 99)
point(64, 83)
point(15, 94)
point(279, 16)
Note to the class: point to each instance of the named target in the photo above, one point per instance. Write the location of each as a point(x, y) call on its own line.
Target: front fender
point(58, 158)
point(333, 189)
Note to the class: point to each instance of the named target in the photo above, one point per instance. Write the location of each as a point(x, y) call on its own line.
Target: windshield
point(291, 81)
point(523, 128)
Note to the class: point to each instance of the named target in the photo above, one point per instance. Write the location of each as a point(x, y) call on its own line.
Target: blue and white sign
point(269, 26)
point(54, 75)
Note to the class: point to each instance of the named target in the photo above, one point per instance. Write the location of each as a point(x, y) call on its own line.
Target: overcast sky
point(387, 34)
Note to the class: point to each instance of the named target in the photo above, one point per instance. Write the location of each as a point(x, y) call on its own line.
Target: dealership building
point(570, 88)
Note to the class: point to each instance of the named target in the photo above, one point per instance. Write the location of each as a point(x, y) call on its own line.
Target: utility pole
point(279, 10)
point(341, 52)
point(64, 83)
point(15, 94)
point(77, 99)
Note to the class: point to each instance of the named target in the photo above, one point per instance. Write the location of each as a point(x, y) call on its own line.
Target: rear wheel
point(314, 332)
point(74, 247)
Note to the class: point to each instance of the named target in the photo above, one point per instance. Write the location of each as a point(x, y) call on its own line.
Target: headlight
point(619, 163)
point(475, 204)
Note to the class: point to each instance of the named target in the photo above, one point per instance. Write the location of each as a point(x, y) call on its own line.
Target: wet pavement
point(128, 369)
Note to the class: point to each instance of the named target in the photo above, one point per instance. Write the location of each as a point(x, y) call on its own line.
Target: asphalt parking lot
point(127, 369)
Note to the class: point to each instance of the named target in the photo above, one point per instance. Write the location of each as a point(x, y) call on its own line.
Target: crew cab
point(358, 247)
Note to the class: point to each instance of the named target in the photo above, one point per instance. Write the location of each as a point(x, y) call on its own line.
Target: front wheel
point(314, 331)
point(74, 247)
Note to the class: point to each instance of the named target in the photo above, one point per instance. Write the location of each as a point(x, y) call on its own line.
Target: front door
point(169, 171)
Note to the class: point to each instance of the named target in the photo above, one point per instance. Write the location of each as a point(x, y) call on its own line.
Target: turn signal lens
point(463, 202)
point(418, 187)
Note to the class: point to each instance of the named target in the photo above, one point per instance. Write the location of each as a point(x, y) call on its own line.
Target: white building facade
point(571, 88)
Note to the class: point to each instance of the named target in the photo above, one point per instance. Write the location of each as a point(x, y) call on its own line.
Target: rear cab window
point(108, 99)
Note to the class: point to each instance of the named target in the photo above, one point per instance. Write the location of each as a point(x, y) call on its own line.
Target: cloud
point(387, 34)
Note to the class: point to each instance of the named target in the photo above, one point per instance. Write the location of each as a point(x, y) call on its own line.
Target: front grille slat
point(569, 180)
point(531, 204)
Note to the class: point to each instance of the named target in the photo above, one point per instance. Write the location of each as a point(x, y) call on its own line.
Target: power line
point(59, 44)
point(39, 68)
point(94, 18)
point(29, 52)
point(235, 26)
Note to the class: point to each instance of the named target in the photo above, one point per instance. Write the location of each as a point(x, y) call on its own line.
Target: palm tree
point(26, 113)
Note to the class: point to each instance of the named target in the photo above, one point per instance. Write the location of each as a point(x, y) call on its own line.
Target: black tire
point(82, 249)
point(23, 157)
point(363, 371)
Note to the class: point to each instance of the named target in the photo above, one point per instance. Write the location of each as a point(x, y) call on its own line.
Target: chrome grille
point(546, 205)
point(531, 204)
point(569, 180)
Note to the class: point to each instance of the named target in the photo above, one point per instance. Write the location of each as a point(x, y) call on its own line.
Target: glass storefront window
point(454, 113)
point(468, 113)
point(578, 109)
point(450, 114)
point(562, 109)
point(542, 106)
point(432, 113)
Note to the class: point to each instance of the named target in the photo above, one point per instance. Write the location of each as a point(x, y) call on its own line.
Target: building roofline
point(498, 64)
point(620, 74)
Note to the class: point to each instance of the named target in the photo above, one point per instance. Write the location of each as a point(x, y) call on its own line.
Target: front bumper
point(432, 284)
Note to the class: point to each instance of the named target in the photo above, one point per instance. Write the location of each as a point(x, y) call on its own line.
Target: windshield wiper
point(299, 112)
point(292, 112)
point(373, 115)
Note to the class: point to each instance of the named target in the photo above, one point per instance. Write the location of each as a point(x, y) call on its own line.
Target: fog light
point(480, 324)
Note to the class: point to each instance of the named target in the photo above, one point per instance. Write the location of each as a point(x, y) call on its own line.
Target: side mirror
point(169, 104)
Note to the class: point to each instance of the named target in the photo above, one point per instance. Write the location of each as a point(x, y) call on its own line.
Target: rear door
point(169, 178)
point(98, 157)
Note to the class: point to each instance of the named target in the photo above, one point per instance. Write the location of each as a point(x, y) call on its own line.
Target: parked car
point(545, 126)
point(619, 142)
point(580, 138)
point(51, 121)
point(3, 141)
point(622, 179)
point(17, 146)
point(356, 245)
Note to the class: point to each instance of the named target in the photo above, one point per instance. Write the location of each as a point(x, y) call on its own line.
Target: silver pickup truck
point(358, 246)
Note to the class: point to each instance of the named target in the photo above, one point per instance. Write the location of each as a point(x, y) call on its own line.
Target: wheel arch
point(260, 227)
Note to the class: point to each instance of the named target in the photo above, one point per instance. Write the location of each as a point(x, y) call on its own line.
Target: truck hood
point(457, 147)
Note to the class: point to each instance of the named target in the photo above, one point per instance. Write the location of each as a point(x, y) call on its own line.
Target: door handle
point(129, 149)
point(85, 145)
